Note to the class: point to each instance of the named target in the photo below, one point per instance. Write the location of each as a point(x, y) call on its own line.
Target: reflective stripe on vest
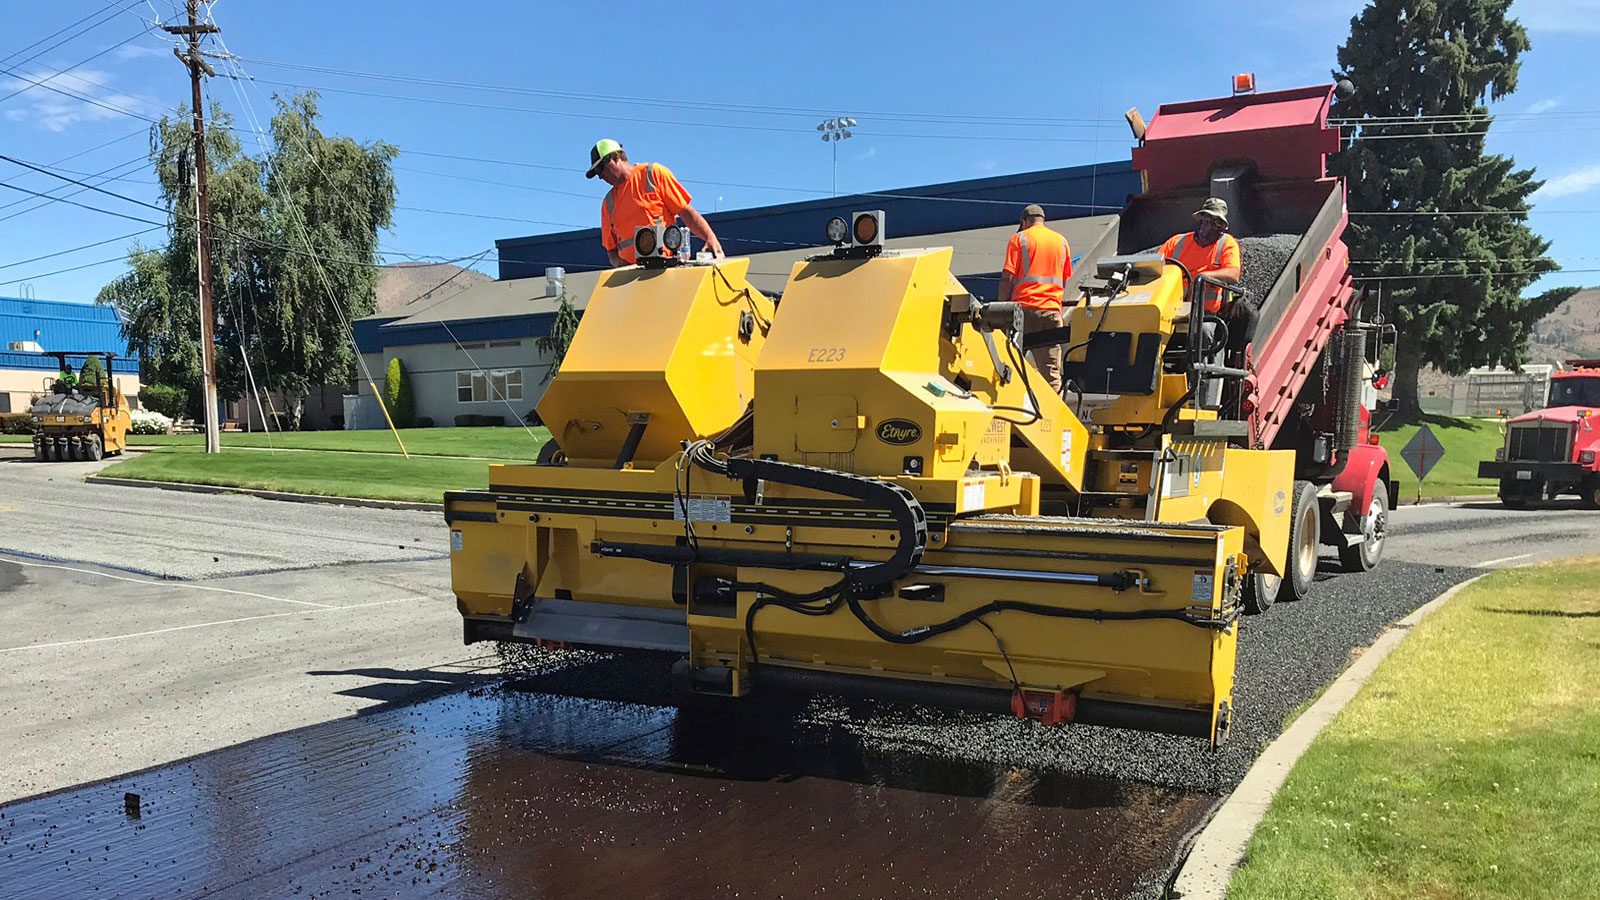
point(1022, 267)
point(1216, 256)
point(611, 207)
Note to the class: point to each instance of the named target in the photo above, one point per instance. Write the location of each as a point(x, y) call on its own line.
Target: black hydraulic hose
point(910, 519)
point(924, 632)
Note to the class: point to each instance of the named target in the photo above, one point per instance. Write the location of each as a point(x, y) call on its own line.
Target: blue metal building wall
point(931, 209)
point(61, 325)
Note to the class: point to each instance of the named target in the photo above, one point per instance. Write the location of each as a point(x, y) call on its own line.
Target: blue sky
point(947, 91)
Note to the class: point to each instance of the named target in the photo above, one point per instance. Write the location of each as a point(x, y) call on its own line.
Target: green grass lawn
point(1467, 767)
point(386, 476)
point(1467, 442)
point(498, 443)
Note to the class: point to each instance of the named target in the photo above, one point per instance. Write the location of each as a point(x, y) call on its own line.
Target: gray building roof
point(978, 256)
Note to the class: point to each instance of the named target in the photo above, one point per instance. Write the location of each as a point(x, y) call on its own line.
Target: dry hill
point(420, 283)
point(1573, 330)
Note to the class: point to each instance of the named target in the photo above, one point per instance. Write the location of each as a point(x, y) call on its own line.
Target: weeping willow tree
point(294, 255)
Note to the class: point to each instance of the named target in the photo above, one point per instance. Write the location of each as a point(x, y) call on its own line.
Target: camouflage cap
point(1216, 207)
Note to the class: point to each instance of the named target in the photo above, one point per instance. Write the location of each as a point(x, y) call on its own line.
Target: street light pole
point(833, 131)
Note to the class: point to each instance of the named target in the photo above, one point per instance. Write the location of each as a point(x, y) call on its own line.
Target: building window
point(493, 344)
point(466, 347)
point(492, 386)
point(507, 383)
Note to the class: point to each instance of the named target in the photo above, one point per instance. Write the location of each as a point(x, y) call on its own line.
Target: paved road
point(578, 779)
point(140, 626)
point(1487, 535)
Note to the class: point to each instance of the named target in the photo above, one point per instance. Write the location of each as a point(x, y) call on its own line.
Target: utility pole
point(202, 221)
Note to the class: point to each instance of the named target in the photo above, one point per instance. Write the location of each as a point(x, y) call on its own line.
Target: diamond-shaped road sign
point(1422, 452)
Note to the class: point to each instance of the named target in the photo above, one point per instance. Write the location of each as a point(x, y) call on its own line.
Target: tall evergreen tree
point(1439, 228)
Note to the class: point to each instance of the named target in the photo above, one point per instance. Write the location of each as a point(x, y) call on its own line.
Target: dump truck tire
point(1305, 537)
point(1365, 555)
point(1260, 590)
point(1591, 492)
point(93, 448)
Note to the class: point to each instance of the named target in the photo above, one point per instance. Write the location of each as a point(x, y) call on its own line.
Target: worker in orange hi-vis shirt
point(1209, 250)
point(1038, 264)
point(641, 194)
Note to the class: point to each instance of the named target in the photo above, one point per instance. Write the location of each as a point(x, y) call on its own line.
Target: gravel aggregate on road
point(1286, 656)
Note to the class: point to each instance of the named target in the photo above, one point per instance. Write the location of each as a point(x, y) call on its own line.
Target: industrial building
point(29, 327)
point(477, 353)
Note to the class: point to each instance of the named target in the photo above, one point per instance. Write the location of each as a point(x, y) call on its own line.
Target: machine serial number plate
point(704, 508)
point(1524, 475)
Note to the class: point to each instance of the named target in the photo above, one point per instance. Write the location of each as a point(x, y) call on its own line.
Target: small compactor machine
point(867, 489)
point(73, 421)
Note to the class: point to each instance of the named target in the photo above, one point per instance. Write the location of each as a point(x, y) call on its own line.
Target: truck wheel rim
point(1376, 525)
point(1307, 551)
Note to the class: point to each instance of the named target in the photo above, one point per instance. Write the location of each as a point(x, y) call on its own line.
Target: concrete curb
point(266, 495)
point(1458, 498)
point(1220, 846)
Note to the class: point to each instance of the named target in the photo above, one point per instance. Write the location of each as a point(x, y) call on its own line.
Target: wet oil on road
point(515, 792)
point(576, 779)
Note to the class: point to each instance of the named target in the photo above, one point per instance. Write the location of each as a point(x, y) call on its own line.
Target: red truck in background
point(1553, 451)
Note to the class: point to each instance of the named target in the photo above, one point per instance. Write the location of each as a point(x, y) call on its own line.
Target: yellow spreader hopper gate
point(862, 491)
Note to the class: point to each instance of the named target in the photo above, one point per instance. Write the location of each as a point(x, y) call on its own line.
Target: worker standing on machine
point(640, 195)
point(1038, 264)
point(1211, 251)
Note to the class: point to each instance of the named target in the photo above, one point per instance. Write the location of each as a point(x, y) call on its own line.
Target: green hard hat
point(598, 153)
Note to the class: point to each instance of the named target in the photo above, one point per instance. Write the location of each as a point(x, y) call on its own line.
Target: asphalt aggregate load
point(1262, 259)
point(575, 777)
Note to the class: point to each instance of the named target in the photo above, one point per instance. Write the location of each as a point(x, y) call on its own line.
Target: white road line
point(118, 637)
point(186, 584)
point(1504, 559)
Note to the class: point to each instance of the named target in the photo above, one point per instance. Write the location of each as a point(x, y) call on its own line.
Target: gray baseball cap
point(1033, 209)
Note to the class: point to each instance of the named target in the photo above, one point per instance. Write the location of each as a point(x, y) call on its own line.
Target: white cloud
point(1560, 16)
point(1543, 106)
point(1575, 182)
point(56, 111)
point(140, 51)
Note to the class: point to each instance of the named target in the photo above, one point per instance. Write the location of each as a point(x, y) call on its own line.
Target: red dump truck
point(1553, 451)
point(1307, 377)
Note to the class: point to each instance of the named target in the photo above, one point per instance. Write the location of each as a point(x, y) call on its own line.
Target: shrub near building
point(397, 394)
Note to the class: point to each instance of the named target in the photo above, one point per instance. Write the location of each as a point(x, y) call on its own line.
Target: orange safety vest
point(1043, 263)
point(1214, 261)
point(650, 196)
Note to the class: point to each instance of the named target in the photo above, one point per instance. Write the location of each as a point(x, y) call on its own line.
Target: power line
point(102, 262)
point(952, 118)
point(87, 59)
point(124, 237)
point(499, 107)
point(11, 55)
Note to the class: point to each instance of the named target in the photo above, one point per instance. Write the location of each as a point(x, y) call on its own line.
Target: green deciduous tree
point(1453, 255)
point(397, 395)
point(294, 259)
